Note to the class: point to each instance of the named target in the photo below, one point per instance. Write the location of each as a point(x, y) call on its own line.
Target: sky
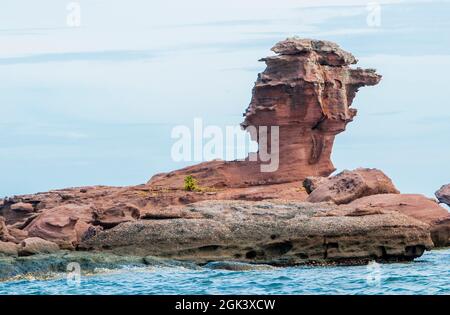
point(92, 100)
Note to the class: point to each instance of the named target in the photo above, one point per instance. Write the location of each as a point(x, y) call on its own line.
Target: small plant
point(190, 184)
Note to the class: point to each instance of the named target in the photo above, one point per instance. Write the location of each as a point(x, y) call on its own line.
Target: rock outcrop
point(63, 224)
point(306, 91)
point(349, 185)
point(115, 215)
point(11, 234)
point(4, 233)
point(36, 245)
point(443, 194)
point(8, 249)
point(241, 212)
point(415, 206)
point(279, 233)
point(17, 213)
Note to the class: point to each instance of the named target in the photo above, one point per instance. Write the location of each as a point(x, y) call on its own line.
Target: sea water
point(429, 274)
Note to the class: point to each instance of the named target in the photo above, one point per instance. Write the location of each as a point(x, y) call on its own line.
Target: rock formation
point(8, 249)
point(349, 185)
point(240, 212)
point(371, 190)
point(64, 224)
point(415, 206)
point(443, 194)
point(277, 232)
point(36, 245)
point(306, 90)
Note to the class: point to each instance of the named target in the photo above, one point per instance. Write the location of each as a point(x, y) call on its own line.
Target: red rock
point(306, 90)
point(18, 213)
point(443, 194)
point(4, 233)
point(11, 234)
point(36, 245)
point(63, 224)
point(117, 214)
point(17, 234)
point(22, 207)
point(351, 185)
point(8, 249)
point(416, 206)
point(312, 182)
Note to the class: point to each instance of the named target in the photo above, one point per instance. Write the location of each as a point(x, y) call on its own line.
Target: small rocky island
point(230, 211)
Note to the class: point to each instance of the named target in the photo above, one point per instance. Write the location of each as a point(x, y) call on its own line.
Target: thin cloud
point(107, 55)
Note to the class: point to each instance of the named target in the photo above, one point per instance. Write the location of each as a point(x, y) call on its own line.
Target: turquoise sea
point(429, 274)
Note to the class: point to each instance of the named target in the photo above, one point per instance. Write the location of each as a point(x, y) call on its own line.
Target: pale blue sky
point(96, 104)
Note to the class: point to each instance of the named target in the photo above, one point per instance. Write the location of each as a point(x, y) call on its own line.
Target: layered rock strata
point(306, 91)
point(349, 185)
point(368, 190)
point(280, 233)
point(413, 205)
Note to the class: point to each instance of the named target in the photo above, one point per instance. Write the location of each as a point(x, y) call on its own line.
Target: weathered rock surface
point(18, 213)
point(63, 224)
point(117, 214)
point(312, 182)
point(8, 249)
point(415, 206)
point(36, 245)
point(66, 216)
point(443, 194)
point(11, 234)
point(17, 234)
point(4, 233)
point(350, 185)
point(270, 232)
point(306, 90)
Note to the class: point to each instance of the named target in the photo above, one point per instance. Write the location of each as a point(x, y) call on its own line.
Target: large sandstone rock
point(4, 233)
point(270, 232)
point(117, 214)
point(351, 185)
point(8, 249)
point(443, 194)
point(18, 213)
point(11, 234)
point(63, 224)
point(22, 207)
point(36, 245)
point(306, 90)
point(17, 234)
point(67, 215)
point(415, 206)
